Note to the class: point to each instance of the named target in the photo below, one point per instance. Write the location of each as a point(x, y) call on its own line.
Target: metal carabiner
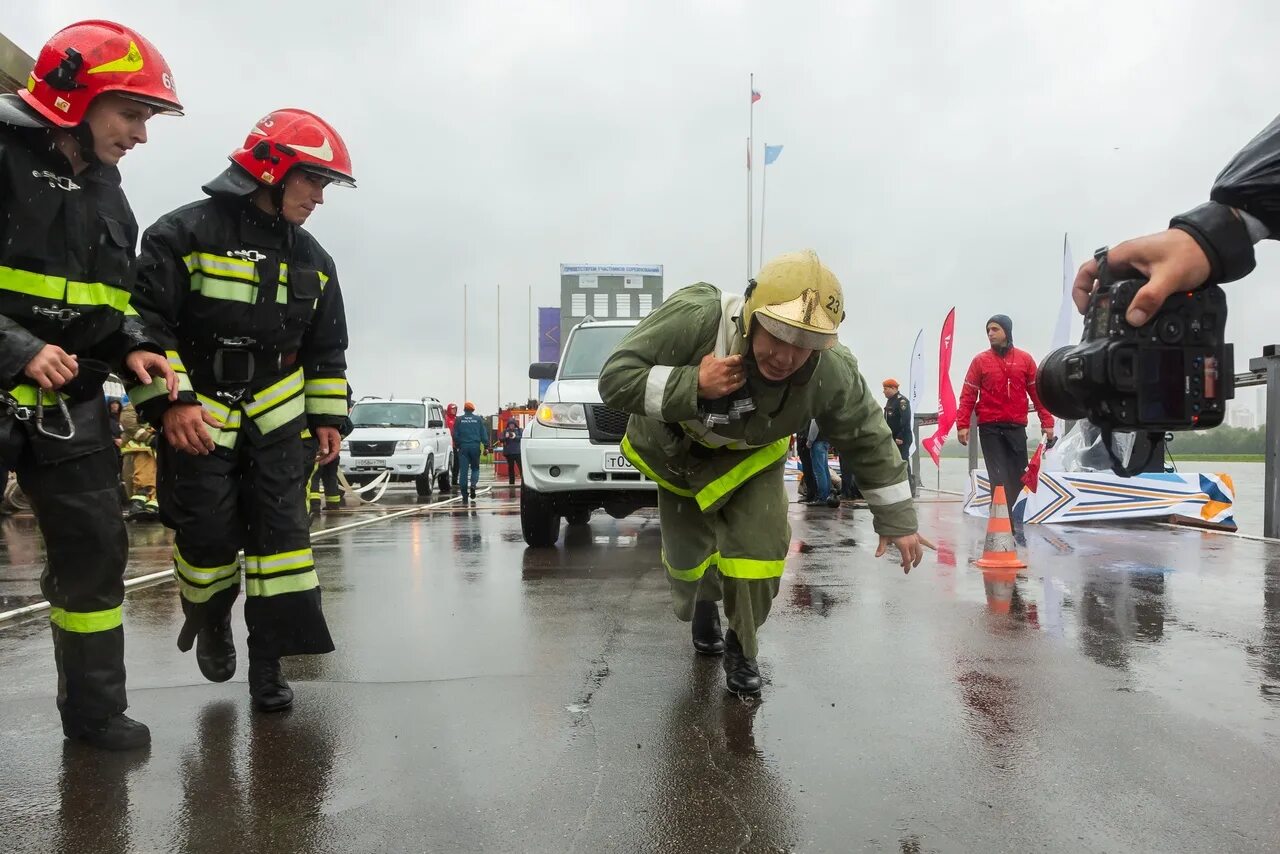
point(62, 406)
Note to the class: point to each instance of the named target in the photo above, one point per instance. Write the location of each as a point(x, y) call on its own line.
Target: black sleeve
point(160, 287)
point(1251, 181)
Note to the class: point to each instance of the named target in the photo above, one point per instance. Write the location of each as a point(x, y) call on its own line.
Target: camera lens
point(1058, 392)
point(1171, 329)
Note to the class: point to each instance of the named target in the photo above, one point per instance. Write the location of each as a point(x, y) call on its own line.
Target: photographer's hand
point(1171, 260)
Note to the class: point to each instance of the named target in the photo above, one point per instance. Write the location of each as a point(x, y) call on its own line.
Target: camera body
point(1175, 372)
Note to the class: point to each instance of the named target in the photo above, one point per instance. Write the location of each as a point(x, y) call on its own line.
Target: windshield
point(588, 349)
point(389, 415)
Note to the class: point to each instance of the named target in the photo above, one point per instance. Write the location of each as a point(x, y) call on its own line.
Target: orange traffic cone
point(999, 551)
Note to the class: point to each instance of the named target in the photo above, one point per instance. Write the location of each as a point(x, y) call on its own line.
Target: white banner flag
point(915, 385)
point(1067, 314)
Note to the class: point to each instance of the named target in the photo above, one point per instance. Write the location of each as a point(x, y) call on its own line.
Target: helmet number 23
point(833, 304)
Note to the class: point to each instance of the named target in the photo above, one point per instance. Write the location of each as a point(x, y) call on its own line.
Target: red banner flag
point(1031, 477)
point(946, 394)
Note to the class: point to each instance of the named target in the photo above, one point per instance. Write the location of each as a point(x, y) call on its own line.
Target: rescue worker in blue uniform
point(471, 436)
point(67, 238)
point(248, 307)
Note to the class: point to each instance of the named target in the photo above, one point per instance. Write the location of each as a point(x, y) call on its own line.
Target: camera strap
point(1119, 468)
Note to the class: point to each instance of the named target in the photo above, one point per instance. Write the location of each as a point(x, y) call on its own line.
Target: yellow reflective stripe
point(96, 293)
point(175, 360)
point(326, 406)
point(273, 586)
point(631, 454)
point(742, 472)
point(26, 395)
point(689, 574)
point(282, 295)
point(86, 622)
point(158, 387)
point(130, 311)
point(281, 562)
point(222, 289)
point(327, 387)
point(282, 415)
point(284, 272)
point(273, 394)
point(324, 280)
point(202, 574)
point(32, 284)
point(193, 593)
point(745, 567)
point(224, 266)
point(225, 416)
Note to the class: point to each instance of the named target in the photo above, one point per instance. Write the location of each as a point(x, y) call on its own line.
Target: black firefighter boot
point(216, 651)
point(742, 676)
point(267, 687)
point(707, 637)
point(118, 732)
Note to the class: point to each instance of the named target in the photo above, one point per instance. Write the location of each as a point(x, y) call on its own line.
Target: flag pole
point(498, 319)
point(751, 119)
point(528, 329)
point(764, 188)
point(464, 341)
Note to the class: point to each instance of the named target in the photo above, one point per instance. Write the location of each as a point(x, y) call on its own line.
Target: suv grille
point(606, 425)
point(373, 449)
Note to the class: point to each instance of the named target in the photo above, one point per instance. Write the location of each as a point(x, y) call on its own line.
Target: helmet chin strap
point(83, 135)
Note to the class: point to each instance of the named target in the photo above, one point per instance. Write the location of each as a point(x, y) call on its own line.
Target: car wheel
point(426, 480)
point(578, 516)
point(539, 522)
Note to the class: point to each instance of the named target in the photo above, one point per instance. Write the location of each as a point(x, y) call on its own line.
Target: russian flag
point(755, 96)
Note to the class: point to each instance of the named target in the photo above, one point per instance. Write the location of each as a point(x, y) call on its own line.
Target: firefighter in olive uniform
point(247, 304)
point(716, 384)
point(67, 238)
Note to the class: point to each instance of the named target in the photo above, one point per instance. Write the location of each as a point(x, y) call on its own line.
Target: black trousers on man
point(74, 489)
point(1004, 449)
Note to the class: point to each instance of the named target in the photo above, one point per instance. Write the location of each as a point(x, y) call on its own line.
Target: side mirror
point(435, 422)
point(543, 370)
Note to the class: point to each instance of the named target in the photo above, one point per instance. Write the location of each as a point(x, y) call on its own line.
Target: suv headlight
point(571, 415)
point(408, 445)
point(345, 446)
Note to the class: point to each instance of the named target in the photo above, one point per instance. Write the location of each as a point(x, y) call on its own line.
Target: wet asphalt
point(1122, 694)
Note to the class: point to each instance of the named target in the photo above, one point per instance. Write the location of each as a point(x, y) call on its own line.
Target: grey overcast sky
point(935, 152)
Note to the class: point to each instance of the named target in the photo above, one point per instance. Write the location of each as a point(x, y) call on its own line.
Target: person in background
point(820, 466)
point(897, 413)
point(113, 416)
point(999, 383)
point(806, 490)
point(139, 471)
point(451, 418)
point(470, 437)
point(511, 450)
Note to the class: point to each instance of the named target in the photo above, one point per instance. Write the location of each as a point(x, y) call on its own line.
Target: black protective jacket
point(66, 246)
point(897, 412)
point(249, 311)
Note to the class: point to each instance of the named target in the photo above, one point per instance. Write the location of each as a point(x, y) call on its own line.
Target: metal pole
point(764, 188)
point(528, 329)
point(464, 341)
point(498, 315)
point(973, 441)
point(915, 448)
point(1270, 363)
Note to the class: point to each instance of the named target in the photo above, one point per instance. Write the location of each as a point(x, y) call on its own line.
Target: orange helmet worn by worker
point(278, 143)
point(81, 62)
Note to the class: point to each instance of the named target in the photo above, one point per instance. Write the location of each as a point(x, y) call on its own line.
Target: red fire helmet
point(87, 59)
point(288, 138)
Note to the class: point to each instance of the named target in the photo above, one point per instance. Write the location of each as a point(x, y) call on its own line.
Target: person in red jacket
point(999, 382)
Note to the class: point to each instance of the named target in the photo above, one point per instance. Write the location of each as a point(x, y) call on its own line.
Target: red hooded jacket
point(999, 385)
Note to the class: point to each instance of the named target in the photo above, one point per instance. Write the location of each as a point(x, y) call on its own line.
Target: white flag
point(1067, 314)
point(915, 385)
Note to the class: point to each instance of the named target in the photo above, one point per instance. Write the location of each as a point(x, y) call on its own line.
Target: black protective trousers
point(1004, 449)
point(255, 498)
point(74, 489)
point(325, 486)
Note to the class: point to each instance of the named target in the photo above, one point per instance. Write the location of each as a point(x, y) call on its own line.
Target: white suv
point(570, 457)
point(408, 437)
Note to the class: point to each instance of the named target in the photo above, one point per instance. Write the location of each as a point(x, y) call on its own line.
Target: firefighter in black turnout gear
point(67, 239)
point(897, 414)
point(247, 304)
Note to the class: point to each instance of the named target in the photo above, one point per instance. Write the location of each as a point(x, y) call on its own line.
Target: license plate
point(368, 464)
point(617, 462)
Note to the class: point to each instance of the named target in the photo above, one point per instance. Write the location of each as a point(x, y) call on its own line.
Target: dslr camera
point(1175, 372)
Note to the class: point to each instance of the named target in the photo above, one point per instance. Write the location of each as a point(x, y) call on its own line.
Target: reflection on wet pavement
point(1119, 694)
